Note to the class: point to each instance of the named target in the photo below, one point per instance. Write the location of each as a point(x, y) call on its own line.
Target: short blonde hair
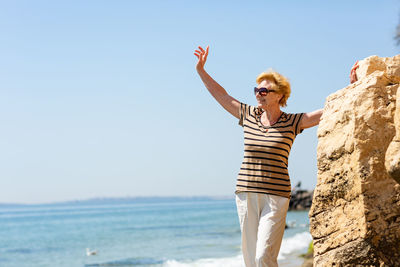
point(281, 84)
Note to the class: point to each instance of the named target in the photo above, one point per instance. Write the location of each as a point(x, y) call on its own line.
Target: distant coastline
point(301, 200)
point(108, 200)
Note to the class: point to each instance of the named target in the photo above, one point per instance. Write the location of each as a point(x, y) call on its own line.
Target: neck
point(272, 111)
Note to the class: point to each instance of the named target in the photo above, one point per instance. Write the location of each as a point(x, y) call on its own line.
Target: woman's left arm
point(310, 119)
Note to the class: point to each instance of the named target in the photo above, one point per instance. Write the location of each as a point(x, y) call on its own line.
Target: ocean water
point(147, 232)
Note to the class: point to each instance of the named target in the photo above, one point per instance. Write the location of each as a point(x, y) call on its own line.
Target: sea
point(150, 231)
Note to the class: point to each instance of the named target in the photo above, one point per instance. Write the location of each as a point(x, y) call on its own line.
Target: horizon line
point(108, 198)
point(99, 199)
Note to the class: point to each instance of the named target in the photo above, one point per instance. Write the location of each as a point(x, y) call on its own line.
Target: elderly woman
point(263, 185)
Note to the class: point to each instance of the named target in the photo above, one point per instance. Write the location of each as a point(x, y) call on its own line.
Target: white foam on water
point(295, 244)
point(236, 261)
point(290, 247)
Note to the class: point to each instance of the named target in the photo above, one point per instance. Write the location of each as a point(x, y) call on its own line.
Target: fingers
point(206, 55)
point(353, 73)
point(355, 66)
point(201, 54)
point(198, 54)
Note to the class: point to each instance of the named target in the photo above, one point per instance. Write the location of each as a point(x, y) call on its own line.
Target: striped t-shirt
point(266, 151)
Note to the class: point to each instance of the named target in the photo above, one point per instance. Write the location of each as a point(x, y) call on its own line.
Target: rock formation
point(300, 199)
point(392, 159)
point(355, 215)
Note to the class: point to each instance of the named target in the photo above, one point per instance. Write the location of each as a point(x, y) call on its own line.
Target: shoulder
point(292, 117)
point(247, 112)
point(294, 114)
point(249, 109)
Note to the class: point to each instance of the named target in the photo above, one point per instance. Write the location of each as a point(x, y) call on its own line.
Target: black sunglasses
point(262, 91)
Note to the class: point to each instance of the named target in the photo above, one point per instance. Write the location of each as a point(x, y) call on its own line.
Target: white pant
point(262, 222)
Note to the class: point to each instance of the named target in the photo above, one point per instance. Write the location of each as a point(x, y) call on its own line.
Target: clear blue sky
point(101, 98)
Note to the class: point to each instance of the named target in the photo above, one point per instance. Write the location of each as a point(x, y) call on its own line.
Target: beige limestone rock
point(355, 215)
point(392, 159)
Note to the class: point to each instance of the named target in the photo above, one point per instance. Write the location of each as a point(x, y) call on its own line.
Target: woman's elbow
point(311, 119)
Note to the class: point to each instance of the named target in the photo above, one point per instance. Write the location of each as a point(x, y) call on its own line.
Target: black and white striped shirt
point(266, 152)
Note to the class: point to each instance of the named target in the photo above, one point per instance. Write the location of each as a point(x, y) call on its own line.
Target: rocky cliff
point(355, 215)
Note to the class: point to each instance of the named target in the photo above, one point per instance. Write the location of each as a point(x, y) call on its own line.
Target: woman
point(263, 185)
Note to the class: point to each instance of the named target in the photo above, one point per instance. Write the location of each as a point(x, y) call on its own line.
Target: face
point(270, 98)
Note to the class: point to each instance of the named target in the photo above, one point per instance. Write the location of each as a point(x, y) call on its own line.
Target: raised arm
point(310, 119)
point(229, 103)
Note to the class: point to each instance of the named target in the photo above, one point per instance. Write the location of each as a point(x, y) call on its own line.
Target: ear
point(280, 99)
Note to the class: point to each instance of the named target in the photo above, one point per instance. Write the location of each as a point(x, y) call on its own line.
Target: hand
point(201, 54)
point(353, 74)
